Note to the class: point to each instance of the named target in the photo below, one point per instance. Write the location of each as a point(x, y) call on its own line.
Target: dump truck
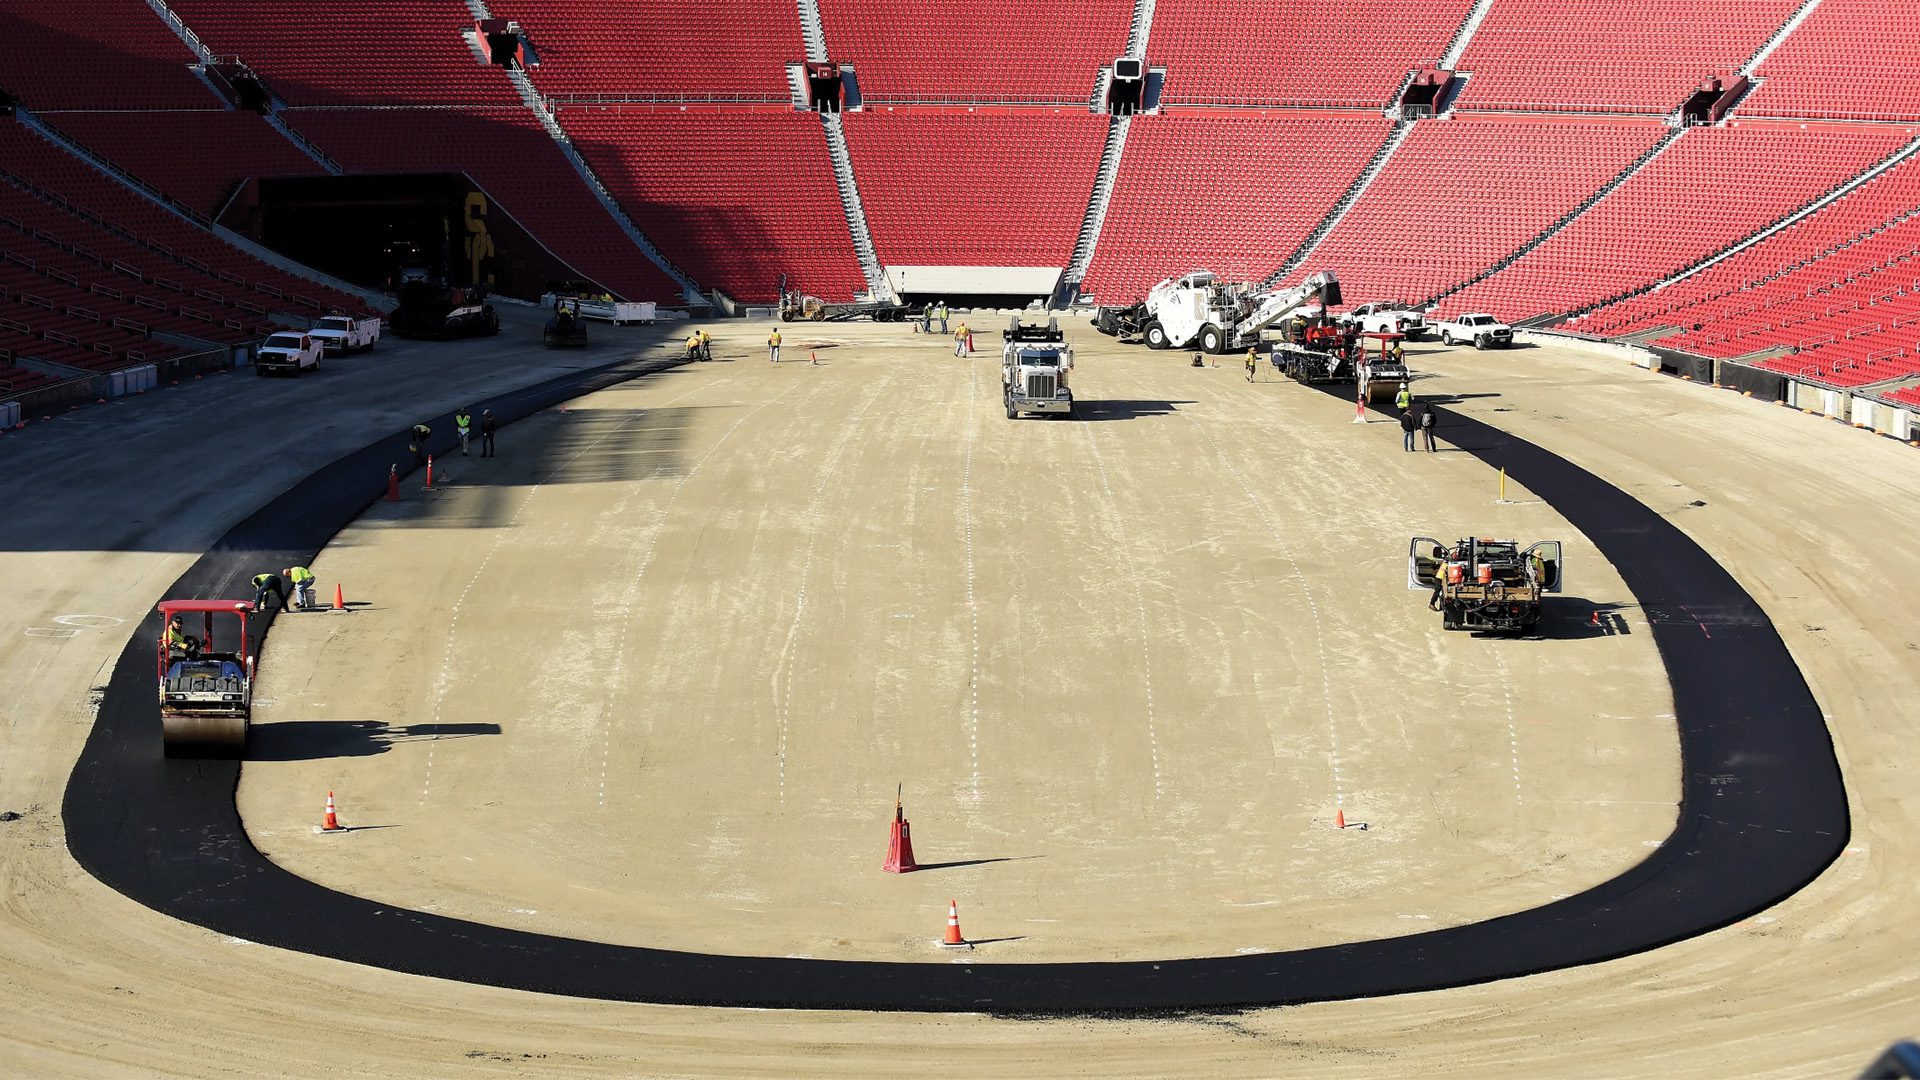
point(1035, 362)
point(1486, 584)
point(206, 678)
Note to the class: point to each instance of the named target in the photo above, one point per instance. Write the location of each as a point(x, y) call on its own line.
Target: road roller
point(206, 677)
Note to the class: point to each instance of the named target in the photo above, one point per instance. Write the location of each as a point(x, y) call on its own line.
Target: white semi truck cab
point(1035, 363)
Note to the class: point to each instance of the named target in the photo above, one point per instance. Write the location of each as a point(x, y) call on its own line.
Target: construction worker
point(302, 581)
point(693, 345)
point(417, 446)
point(1398, 352)
point(962, 346)
point(1253, 364)
point(487, 424)
point(1433, 602)
point(773, 345)
point(1404, 399)
point(1406, 430)
point(1429, 419)
point(268, 584)
point(179, 641)
point(706, 344)
point(463, 424)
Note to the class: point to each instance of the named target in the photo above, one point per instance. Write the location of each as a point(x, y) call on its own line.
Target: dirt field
point(716, 615)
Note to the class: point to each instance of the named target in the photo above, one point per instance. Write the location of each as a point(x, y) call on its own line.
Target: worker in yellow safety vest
point(178, 641)
point(773, 346)
point(302, 580)
point(706, 345)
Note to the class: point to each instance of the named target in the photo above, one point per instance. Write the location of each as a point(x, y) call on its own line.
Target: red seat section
point(83, 240)
point(513, 159)
point(734, 199)
point(978, 51)
point(1041, 165)
point(1458, 196)
point(1351, 53)
point(1610, 55)
point(1706, 191)
point(96, 55)
point(1792, 287)
point(1851, 60)
point(1231, 194)
point(718, 48)
point(170, 150)
point(15, 381)
point(353, 52)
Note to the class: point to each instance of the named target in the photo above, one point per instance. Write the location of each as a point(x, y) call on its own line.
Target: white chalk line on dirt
point(973, 608)
point(1118, 520)
point(1513, 731)
point(630, 592)
point(1313, 608)
point(443, 677)
point(783, 671)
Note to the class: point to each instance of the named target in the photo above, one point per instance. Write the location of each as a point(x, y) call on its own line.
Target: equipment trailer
point(1486, 584)
point(799, 307)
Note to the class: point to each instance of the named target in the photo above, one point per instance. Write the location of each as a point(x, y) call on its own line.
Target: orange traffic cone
point(813, 358)
point(900, 844)
point(1594, 620)
point(331, 823)
point(954, 940)
point(429, 472)
point(1339, 818)
point(339, 598)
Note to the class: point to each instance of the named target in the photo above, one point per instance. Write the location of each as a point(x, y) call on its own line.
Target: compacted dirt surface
point(651, 676)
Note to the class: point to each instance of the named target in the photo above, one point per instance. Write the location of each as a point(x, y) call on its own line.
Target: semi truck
point(1035, 362)
point(1479, 583)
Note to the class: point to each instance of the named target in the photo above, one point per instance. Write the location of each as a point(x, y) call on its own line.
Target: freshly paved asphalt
point(1763, 810)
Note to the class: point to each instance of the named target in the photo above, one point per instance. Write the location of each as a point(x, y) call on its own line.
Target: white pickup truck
point(340, 334)
point(1388, 319)
point(289, 350)
point(1485, 331)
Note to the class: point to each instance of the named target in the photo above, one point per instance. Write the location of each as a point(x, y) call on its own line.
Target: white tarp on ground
point(957, 281)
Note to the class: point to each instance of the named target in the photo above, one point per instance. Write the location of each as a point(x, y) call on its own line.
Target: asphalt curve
point(1763, 810)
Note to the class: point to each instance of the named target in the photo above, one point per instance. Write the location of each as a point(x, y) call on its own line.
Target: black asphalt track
point(1763, 810)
